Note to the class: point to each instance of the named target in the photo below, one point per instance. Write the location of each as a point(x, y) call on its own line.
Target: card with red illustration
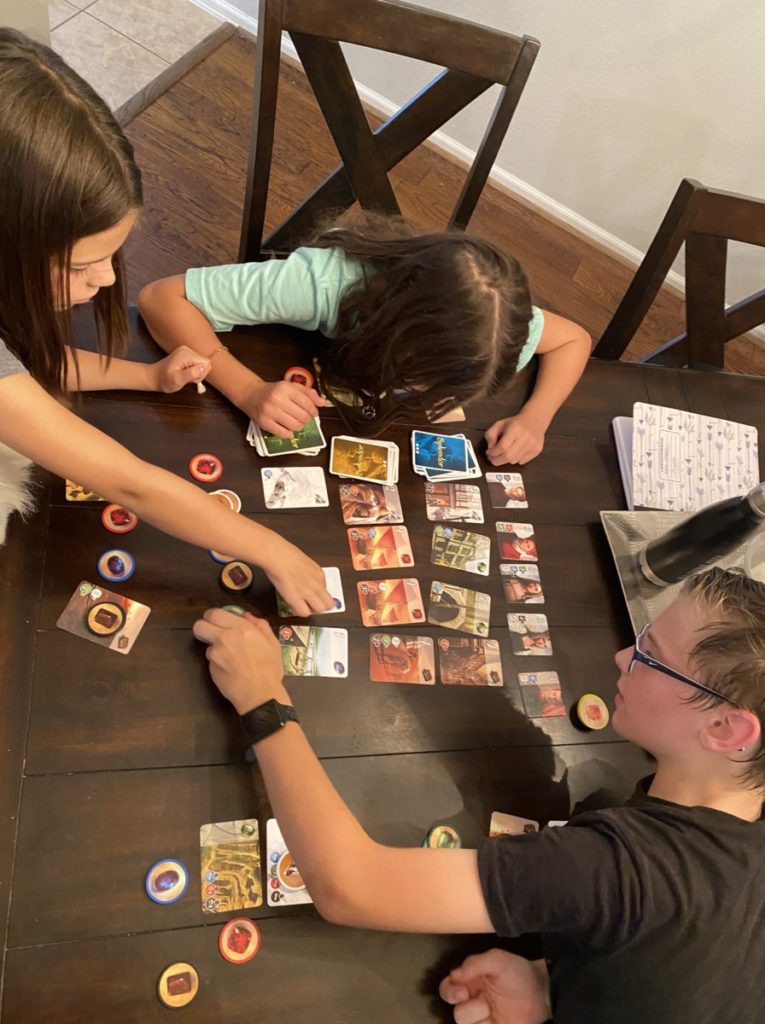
point(401, 659)
point(380, 547)
point(390, 602)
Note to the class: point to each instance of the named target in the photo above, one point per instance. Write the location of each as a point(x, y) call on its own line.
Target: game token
point(443, 837)
point(117, 519)
point(166, 881)
point(592, 712)
point(105, 618)
point(177, 985)
point(206, 468)
point(220, 558)
point(230, 498)
point(116, 565)
point(239, 940)
point(235, 609)
point(298, 375)
point(236, 577)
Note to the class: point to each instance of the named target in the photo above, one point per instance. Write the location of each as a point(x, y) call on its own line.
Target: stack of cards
point(371, 461)
point(441, 457)
point(309, 440)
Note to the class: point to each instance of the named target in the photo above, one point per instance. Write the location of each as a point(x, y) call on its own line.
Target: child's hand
point(244, 658)
point(281, 407)
point(498, 988)
point(183, 366)
point(517, 439)
point(296, 577)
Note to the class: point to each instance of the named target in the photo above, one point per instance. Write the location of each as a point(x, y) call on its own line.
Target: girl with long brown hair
point(70, 193)
point(415, 325)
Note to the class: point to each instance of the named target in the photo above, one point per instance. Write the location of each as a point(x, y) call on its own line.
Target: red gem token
point(206, 468)
point(117, 519)
point(239, 940)
point(299, 375)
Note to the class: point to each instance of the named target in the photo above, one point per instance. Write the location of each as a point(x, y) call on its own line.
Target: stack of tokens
point(236, 577)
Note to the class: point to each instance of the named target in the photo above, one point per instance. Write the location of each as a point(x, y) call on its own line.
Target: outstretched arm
point(352, 879)
point(564, 349)
point(88, 371)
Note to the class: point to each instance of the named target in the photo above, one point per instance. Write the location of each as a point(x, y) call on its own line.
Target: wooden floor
point(192, 144)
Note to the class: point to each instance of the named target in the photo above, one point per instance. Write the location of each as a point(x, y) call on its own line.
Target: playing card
point(458, 608)
point(364, 504)
point(390, 602)
point(521, 584)
point(469, 662)
point(380, 547)
point(284, 886)
point(103, 617)
point(314, 651)
point(229, 854)
point(334, 585)
point(362, 459)
point(447, 502)
point(443, 452)
point(541, 694)
point(74, 492)
point(510, 825)
point(529, 634)
point(460, 549)
point(295, 488)
point(506, 490)
point(309, 440)
point(516, 542)
point(401, 659)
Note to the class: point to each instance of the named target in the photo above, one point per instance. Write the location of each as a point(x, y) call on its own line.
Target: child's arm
point(564, 349)
point(352, 879)
point(35, 425)
point(88, 371)
point(278, 406)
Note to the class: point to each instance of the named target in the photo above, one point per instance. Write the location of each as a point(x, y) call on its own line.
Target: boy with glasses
point(647, 913)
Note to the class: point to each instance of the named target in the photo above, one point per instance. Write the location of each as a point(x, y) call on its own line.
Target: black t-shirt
point(651, 913)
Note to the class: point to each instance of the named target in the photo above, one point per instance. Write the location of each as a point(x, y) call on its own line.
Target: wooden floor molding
point(192, 144)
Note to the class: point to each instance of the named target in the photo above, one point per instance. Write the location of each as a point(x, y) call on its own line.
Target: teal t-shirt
point(303, 290)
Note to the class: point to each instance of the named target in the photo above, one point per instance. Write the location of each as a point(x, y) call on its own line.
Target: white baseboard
point(516, 186)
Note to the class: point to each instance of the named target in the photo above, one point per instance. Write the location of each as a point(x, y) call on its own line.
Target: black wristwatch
point(263, 720)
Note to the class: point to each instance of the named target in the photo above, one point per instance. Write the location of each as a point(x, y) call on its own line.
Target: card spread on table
point(460, 549)
point(380, 547)
point(362, 459)
point(229, 854)
point(365, 504)
point(443, 457)
point(458, 608)
point(529, 634)
point(103, 617)
point(516, 542)
point(294, 488)
point(466, 662)
point(506, 490)
point(446, 502)
point(510, 825)
point(309, 440)
point(334, 585)
point(284, 886)
point(390, 602)
point(521, 583)
point(314, 651)
point(401, 659)
point(541, 694)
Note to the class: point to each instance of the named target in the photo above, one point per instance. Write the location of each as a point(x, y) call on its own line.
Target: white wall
point(30, 16)
point(625, 99)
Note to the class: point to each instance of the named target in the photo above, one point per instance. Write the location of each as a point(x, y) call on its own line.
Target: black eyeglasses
point(646, 659)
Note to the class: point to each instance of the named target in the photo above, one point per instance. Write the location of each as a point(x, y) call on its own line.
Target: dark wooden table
point(109, 763)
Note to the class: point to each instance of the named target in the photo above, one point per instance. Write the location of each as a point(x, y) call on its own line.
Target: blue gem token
point(166, 881)
point(116, 565)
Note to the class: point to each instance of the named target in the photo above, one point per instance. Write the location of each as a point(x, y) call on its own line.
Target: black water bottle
point(706, 536)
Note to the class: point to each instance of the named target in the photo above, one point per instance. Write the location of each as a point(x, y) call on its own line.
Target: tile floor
point(120, 46)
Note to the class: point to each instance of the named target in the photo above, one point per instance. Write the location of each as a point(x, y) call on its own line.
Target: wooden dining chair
point(705, 219)
point(473, 57)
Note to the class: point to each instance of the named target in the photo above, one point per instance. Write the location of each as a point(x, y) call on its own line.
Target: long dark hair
point(66, 171)
point(442, 316)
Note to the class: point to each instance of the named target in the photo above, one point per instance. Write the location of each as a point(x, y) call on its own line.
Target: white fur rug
point(15, 495)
